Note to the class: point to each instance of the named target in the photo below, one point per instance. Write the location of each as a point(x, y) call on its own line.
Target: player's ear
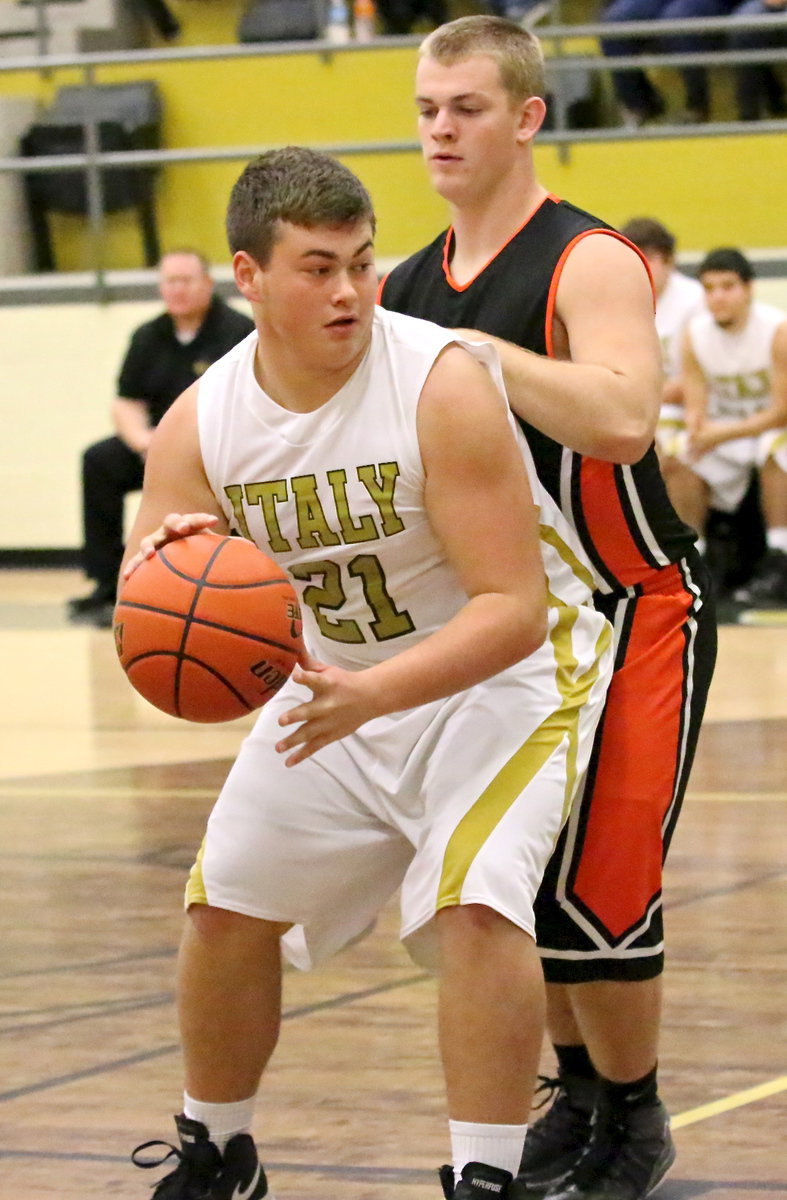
point(531, 118)
point(246, 271)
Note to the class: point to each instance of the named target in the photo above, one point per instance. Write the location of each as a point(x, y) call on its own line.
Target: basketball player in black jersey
point(570, 307)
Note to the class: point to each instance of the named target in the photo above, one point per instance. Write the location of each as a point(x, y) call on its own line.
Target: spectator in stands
point(678, 299)
point(165, 357)
point(400, 16)
point(158, 14)
point(638, 97)
point(735, 394)
point(758, 88)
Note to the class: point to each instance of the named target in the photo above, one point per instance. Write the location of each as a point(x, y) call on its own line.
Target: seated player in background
point(678, 299)
point(735, 386)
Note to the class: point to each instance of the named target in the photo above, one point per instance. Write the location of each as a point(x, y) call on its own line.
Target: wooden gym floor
point(102, 806)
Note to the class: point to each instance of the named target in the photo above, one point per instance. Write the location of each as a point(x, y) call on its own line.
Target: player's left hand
point(702, 440)
point(341, 702)
point(174, 526)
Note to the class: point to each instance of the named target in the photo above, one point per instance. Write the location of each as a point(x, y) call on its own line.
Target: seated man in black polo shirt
point(165, 357)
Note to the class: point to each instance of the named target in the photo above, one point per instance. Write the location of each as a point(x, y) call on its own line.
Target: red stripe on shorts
point(607, 525)
point(621, 861)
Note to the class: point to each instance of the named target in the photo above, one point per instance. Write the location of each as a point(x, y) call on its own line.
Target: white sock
point(496, 1145)
point(222, 1121)
point(701, 544)
point(777, 539)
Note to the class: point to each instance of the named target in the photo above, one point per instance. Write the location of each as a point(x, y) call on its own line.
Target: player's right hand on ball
point(174, 526)
point(341, 701)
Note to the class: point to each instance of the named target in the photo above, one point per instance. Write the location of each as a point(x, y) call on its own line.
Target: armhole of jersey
point(561, 262)
point(380, 287)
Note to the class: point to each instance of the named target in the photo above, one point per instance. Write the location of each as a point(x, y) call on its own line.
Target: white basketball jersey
point(337, 495)
point(681, 299)
point(736, 365)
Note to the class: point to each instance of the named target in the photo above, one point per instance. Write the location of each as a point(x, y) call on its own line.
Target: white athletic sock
point(701, 545)
point(777, 539)
point(222, 1121)
point(496, 1145)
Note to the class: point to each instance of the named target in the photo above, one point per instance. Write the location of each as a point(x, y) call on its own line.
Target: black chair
point(127, 117)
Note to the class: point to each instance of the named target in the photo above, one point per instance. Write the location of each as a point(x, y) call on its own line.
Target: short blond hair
point(517, 51)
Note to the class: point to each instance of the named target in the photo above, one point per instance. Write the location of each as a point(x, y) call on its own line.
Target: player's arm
point(672, 392)
point(479, 503)
point(130, 414)
point(695, 387)
point(130, 419)
point(605, 401)
point(176, 497)
point(773, 416)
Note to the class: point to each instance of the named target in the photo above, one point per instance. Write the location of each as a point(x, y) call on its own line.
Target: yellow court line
point(715, 797)
point(736, 1100)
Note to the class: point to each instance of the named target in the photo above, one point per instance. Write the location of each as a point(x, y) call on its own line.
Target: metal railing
point(560, 60)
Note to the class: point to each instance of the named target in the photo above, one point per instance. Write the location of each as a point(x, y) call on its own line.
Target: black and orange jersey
point(621, 513)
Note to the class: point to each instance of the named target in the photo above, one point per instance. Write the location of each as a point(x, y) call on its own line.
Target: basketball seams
point(204, 623)
point(199, 662)
point(202, 579)
point(188, 641)
point(199, 583)
point(197, 579)
point(208, 584)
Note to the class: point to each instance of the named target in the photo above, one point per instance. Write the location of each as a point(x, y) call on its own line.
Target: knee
point(669, 465)
point(470, 927)
point(104, 458)
point(94, 457)
point(219, 925)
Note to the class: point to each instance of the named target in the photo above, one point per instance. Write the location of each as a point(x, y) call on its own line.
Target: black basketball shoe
point(628, 1155)
point(103, 593)
point(478, 1181)
point(97, 608)
point(768, 587)
point(202, 1172)
point(555, 1143)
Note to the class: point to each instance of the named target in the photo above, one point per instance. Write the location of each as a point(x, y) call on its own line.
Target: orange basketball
point(209, 628)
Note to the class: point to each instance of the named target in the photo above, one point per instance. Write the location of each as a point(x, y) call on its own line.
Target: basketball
point(209, 628)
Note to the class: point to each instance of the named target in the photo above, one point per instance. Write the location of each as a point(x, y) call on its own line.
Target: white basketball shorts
point(457, 802)
point(727, 469)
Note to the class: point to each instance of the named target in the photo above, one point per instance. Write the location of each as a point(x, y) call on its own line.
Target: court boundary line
point(703, 1112)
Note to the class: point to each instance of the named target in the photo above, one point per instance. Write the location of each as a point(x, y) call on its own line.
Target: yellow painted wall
point(709, 190)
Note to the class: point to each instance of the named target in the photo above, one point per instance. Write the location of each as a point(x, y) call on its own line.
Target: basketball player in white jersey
point(678, 299)
point(442, 722)
point(735, 384)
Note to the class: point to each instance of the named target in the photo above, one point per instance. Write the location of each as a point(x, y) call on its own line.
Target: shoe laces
point(146, 1164)
point(550, 1085)
point(183, 1172)
point(562, 1121)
